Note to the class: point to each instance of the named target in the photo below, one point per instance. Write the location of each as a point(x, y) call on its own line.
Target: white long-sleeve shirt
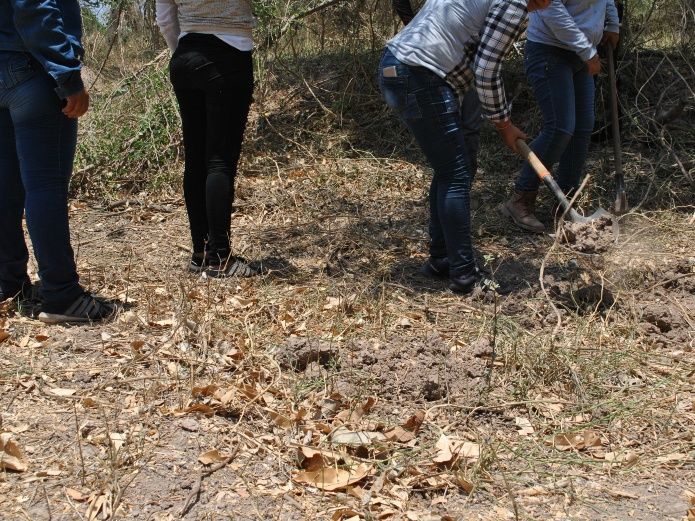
point(168, 22)
point(575, 25)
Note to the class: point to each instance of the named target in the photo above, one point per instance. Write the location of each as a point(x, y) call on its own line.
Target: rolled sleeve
point(504, 25)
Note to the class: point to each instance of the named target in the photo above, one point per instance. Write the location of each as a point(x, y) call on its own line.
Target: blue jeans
point(564, 91)
point(430, 109)
point(37, 147)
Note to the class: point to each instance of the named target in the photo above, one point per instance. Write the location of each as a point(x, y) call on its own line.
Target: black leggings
point(213, 83)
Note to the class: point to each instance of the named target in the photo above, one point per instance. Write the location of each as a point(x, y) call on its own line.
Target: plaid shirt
point(482, 60)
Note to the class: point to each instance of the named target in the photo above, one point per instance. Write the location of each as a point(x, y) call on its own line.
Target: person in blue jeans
point(449, 47)
point(41, 97)
point(561, 61)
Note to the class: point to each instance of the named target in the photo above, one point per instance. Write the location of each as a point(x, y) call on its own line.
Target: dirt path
point(346, 385)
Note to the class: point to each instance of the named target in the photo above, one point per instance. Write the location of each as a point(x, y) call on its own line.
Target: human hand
point(610, 38)
point(510, 133)
point(76, 105)
point(594, 65)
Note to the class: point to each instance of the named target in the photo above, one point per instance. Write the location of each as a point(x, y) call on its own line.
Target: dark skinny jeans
point(213, 83)
point(37, 147)
point(430, 109)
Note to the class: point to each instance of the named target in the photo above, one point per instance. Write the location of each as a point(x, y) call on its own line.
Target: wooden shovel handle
point(532, 158)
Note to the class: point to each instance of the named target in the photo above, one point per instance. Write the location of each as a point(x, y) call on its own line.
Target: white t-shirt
point(168, 22)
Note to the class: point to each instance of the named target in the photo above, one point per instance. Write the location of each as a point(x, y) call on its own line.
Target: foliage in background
point(316, 93)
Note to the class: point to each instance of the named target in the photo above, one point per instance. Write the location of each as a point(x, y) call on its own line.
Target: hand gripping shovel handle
point(544, 175)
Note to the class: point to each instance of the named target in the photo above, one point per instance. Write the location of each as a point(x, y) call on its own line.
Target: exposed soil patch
point(414, 369)
point(593, 237)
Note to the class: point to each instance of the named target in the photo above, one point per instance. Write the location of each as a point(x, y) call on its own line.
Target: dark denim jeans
point(430, 109)
point(37, 147)
point(565, 93)
point(213, 83)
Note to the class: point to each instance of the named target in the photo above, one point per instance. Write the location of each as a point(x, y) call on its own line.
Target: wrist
point(503, 125)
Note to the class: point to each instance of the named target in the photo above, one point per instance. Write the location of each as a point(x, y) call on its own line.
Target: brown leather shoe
point(520, 210)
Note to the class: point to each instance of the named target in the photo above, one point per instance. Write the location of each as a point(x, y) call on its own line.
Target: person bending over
point(41, 97)
point(561, 61)
point(470, 113)
point(449, 47)
point(211, 71)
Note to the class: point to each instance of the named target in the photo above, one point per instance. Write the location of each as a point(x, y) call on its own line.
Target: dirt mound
point(411, 368)
point(593, 237)
point(667, 306)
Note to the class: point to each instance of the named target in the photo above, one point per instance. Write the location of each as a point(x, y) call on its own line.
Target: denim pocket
point(17, 71)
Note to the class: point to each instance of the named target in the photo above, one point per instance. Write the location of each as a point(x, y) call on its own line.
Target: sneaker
point(232, 267)
point(26, 300)
point(199, 261)
point(86, 308)
point(464, 284)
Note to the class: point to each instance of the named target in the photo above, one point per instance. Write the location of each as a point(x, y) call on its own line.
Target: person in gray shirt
point(449, 47)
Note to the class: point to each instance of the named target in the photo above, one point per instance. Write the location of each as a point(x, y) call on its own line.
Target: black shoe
point(199, 261)
point(86, 308)
point(436, 268)
point(26, 299)
point(231, 267)
point(464, 284)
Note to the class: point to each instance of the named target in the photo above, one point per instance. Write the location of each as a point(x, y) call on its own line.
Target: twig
point(79, 444)
point(193, 497)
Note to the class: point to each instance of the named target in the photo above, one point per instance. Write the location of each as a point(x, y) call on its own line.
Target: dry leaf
point(4, 335)
point(356, 414)
point(343, 436)
point(577, 440)
point(10, 455)
point(407, 432)
point(281, 420)
point(76, 495)
point(524, 426)
point(332, 478)
point(346, 514)
point(63, 393)
point(450, 449)
point(211, 456)
point(118, 439)
point(208, 390)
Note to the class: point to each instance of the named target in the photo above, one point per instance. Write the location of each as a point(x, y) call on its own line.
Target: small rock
point(190, 425)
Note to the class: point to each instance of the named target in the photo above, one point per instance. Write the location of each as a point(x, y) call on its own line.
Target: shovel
point(620, 195)
point(544, 175)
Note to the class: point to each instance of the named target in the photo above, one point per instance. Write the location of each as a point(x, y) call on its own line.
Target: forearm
point(404, 10)
point(40, 25)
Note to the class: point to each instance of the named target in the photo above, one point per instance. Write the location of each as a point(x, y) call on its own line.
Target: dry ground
point(567, 400)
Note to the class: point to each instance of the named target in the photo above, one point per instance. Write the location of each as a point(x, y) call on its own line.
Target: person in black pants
point(211, 71)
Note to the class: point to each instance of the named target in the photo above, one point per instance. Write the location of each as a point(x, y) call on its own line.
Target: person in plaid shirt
point(449, 47)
